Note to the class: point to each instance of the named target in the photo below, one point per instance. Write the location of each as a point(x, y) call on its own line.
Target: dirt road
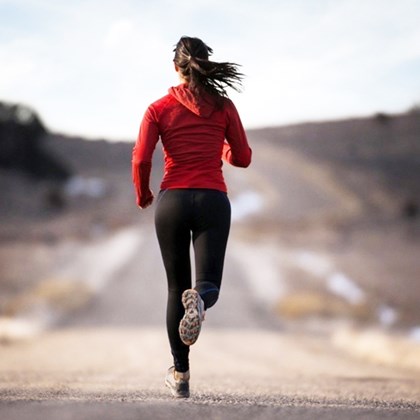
point(108, 359)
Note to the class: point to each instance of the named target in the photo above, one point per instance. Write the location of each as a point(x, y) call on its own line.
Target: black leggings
point(182, 215)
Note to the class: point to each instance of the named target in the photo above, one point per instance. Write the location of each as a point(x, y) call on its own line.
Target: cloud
point(119, 33)
point(92, 67)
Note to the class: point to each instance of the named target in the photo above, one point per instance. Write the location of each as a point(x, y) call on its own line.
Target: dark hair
point(192, 58)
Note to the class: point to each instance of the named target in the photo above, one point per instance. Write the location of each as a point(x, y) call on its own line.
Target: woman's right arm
point(236, 150)
point(142, 158)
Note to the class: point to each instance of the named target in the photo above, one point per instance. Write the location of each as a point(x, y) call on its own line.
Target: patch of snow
point(337, 282)
point(343, 286)
point(90, 187)
point(246, 204)
point(387, 316)
point(313, 263)
point(15, 329)
point(414, 334)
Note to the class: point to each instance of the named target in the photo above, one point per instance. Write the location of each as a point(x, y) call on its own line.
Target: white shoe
point(178, 383)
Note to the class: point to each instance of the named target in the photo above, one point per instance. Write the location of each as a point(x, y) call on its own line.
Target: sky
point(91, 67)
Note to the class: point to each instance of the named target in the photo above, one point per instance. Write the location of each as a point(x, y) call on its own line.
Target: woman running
point(198, 126)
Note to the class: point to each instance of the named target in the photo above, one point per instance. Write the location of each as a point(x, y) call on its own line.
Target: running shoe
point(178, 383)
point(190, 324)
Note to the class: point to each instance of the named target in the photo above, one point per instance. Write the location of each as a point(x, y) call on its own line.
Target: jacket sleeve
point(236, 150)
point(141, 162)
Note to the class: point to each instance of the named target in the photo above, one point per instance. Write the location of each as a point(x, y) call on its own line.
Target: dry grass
point(379, 347)
point(307, 304)
point(58, 295)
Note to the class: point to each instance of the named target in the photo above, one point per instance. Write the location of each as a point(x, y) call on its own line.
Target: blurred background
point(325, 233)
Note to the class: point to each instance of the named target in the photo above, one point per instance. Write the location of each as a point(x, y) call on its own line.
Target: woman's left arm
point(236, 150)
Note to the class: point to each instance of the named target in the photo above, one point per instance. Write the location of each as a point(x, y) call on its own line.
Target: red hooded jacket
point(196, 134)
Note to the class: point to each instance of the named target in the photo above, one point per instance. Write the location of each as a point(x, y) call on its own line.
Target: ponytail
point(192, 58)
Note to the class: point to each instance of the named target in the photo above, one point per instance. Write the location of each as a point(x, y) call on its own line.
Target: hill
point(341, 194)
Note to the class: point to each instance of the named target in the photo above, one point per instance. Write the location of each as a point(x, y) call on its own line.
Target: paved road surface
point(108, 361)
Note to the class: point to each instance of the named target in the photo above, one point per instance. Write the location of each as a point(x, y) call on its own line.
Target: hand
point(147, 201)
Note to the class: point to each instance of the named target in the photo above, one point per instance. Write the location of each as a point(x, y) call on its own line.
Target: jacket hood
point(202, 106)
